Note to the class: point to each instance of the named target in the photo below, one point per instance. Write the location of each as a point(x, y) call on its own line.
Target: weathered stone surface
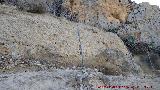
point(106, 14)
point(141, 33)
point(34, 6)
point(73, 80)
point(143, 24)
point(141, 20)
point(112, 10)
point(44, 37)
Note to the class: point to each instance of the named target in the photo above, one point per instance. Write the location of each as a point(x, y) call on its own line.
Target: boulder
point(57, 41)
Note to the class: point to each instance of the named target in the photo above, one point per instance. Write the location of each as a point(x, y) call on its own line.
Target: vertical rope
point(82, 75)
point(80, 47)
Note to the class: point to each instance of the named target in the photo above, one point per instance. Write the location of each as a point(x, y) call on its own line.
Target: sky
point(152, 2)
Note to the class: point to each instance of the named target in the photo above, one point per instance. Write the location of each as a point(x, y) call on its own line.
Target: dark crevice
point(57, 7)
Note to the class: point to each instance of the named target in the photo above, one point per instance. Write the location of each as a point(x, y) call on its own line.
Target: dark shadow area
point(36, 9)
point(149, 56)
point(136, 47)
point(1, 1)
point(56, 7)
point(58, 10)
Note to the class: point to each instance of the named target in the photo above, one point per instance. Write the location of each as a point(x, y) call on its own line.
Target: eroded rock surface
point(143, 24)
point(43, 37)
point(42, 42)
point(74, 80)
point(141, 33)
point(106, 14)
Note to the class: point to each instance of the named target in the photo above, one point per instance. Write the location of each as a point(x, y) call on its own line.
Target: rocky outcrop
point(106, 14)
point(141, 32)
point(143, 24)
point(43, 37)
point(92, 11)
point(138, 20)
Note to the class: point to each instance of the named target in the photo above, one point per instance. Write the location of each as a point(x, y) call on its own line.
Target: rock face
point(143, 24)
point(141, 32)
point(37, 41)
point(106, 14)
point(121, 16)
point(43, 37)
point(98, 12)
